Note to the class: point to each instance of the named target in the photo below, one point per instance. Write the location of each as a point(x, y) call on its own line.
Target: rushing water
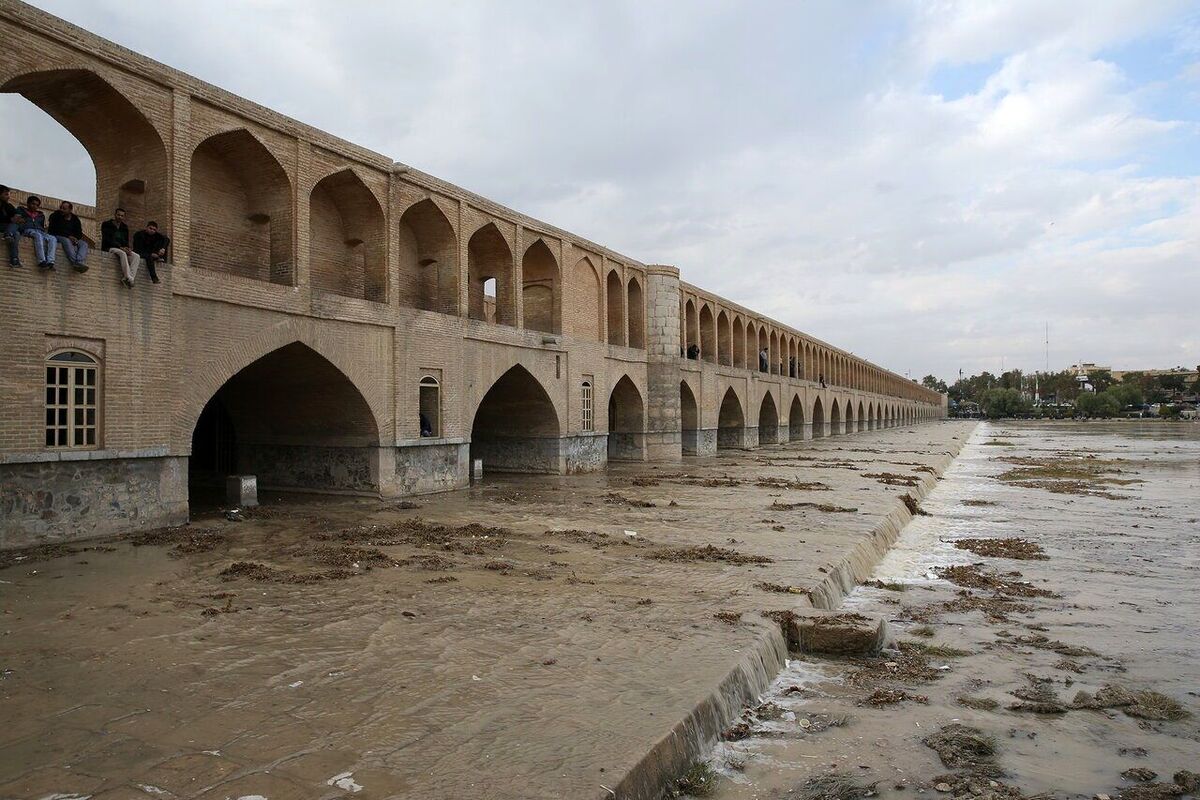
point(1127, 567)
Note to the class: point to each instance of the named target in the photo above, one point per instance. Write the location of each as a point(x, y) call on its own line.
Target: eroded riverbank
point(1046, 601)
point(530, 638)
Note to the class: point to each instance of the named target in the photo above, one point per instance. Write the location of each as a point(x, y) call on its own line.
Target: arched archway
point(637, 315)
point(428, 255)
point(540, 289)
point(708, 334)
point(739, 343)
point(241, 209)
point(878, 416)
point(346, 249)
point(796, 420)
point(819, 431)
point(615, 303)
point(731, 422)
point(626, 422)
point(125, 148)
point(585, 321)
point(871, 416)
point(516, 426)
point(860, 419)
point(291, 418)
point(489, 276)
point(768, 421)
point(689, 420)
point(835, 419)
point(724, 340)
point(849, 423)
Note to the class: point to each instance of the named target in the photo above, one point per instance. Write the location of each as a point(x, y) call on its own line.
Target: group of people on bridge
point(764, 358)
point(64, 229)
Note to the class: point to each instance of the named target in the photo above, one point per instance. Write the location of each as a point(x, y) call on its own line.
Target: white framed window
point(585, 406)
point(430, 405)
point(72, 408)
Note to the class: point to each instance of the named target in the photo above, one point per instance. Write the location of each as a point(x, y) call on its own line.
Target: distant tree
point(1171, 383)
point(930, 382)
point(999, 402)
point(1126, 394)
point(1104, 404)
point(1100, 379)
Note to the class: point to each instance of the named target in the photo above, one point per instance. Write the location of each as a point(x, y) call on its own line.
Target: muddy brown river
point(1111, 601)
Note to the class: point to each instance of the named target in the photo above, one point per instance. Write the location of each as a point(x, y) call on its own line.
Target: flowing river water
point(1122, 539)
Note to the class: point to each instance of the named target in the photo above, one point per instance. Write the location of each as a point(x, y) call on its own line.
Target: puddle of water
point(1125, 570)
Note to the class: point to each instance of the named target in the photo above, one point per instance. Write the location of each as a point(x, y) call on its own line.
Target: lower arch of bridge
point(818, 419)
point(860, 418)
point(731, 422)
point(292, 419)
point(768, 421)
point(516, 427)
point(835, 419)
point(626, 422)
point(689, 420)
point(796, 420)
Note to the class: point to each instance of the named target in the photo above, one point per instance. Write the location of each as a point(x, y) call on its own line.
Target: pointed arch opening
point(796, 420)
point(346, 249)
point(489, 276)
point(241, 209)
point(689, 419)
point(428, 254)
point(585, 320)
point(739, 343)
point(768, 421)
point(516, 428)
point(292, 419)
point(626, 422)
point(731, 422)
point(637, 315)
point(708, 334)
point(126, 150)
point(615, 302)
point(724, 340)
point(860, 419)
point(819, 431)
point(691, 325)
point(540, 289)
point(764, 351)
point(835, 419)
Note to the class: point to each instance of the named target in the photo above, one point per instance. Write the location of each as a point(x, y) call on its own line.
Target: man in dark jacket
point(151, 246)
point(114, 238)
point(33, 227)
point(9, 220)
point(68, 231)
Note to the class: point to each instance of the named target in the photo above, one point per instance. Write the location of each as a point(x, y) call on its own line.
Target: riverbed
point(1109, 601)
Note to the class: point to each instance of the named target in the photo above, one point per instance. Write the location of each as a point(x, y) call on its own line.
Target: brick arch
point(127, 150)
point(541, 288)
point(427, 245)
point(585, 318)
point(626, 421)
point(515, 424)
point(768, 419)
point(796, 418)
point(209, 377)
point(347, 249)
point(241, 207)
point(490, 257)
point(541, 370)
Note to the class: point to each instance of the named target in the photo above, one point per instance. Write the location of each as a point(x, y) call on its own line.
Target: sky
point(925, 184)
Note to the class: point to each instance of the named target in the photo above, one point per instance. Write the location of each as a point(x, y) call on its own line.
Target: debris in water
point(1014, 548)
point(834, 786)
point(707, 552)
point(887, 697)
point(962, 746)
point(700, 780)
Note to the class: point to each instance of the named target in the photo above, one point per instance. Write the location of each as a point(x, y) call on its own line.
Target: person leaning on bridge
point(66, 228)
point(151, 246)
point(762, 360)
point(693, 351)
point(33, 226)
point(114, 238)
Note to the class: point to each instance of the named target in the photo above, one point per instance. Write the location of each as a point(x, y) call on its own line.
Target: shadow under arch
point(516, 426)
point(835, 419)
point(126, 149)
point(626, 422)
point(428, 256)
point(796, 420)
point(689, 420)
point(818, 419)
point(768, 421)
point(291, 418)
point(731, 422)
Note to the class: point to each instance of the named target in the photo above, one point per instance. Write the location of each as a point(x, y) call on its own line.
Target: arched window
point(430, 404)
point(72, 411)
point(587, 419)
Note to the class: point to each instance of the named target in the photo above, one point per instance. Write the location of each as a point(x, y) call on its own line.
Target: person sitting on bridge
point(821, 380)
point(114, 238)
point(151, 246)
point(9, 219)
point(67, 230)
point(791, 366)
point(33, 226)
point(762, 360)
point(693, 351)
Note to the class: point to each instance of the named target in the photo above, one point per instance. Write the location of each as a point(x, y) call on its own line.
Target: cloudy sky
point(926, 184)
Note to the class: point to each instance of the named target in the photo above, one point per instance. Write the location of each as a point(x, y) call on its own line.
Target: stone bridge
point(323, 305)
